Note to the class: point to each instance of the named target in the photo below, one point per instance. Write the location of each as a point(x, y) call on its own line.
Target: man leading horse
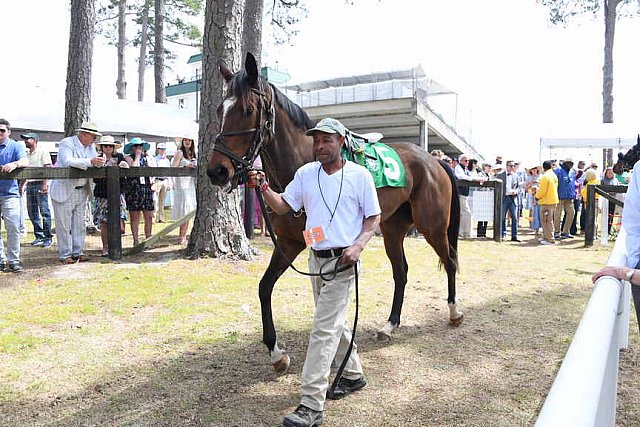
point(343, 213)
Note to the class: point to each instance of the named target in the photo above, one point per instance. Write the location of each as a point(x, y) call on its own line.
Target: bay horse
point(257, 119)
point(627, 160)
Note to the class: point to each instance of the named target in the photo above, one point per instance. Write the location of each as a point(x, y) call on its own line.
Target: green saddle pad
point(382, 161)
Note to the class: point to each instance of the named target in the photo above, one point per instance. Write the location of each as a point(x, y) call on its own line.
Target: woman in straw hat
point(184, 188)
point(107, 147)
point(138, 194)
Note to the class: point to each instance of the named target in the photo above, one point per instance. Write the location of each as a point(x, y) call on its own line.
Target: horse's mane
point(239, 86)
point(293, 110)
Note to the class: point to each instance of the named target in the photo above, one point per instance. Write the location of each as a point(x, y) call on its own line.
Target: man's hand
point(351, 254)
point(45, 187)
point(257, 179)
point(97, 161)
point(9, 167)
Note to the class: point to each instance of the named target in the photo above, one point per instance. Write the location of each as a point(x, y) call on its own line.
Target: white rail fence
point(585, 390)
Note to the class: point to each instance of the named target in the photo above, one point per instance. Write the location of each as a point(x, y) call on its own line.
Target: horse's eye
point(247, 113)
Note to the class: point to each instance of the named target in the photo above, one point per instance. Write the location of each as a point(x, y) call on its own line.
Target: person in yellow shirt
point(547, 197)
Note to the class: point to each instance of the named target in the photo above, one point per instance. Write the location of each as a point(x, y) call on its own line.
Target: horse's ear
point(251, 67)
point(638, 140)
point(224, 70)
point(620, 157)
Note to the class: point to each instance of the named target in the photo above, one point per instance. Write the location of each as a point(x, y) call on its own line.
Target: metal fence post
point(114, 236)
point(589, 233)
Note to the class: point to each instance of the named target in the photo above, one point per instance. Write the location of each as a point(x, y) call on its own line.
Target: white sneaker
point(545, 242)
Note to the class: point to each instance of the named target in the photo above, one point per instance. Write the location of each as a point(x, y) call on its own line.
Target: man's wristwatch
point(629, 275)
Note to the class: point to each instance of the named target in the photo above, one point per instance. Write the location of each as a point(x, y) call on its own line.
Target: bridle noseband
point(262, 131)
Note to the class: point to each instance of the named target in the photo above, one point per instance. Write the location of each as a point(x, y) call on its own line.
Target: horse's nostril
point(218, 175)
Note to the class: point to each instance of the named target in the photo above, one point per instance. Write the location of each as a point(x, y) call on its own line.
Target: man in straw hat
point(69, 196)
point(37, 192)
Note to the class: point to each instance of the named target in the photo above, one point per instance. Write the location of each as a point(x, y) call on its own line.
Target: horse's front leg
point(278, 264)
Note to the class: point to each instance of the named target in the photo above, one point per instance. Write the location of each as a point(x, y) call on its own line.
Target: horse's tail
point(454, 215)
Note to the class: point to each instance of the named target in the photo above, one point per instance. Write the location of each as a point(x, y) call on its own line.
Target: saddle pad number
point(314, 235)
point(391, 167)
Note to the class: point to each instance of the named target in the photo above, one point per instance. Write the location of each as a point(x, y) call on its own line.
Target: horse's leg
point(277, 266)
point(437, 238)
point(394, 230)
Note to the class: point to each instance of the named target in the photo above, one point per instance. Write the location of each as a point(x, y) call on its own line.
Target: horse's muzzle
point(219, 175)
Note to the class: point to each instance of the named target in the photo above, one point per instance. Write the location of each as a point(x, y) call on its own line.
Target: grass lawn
point(157, 340)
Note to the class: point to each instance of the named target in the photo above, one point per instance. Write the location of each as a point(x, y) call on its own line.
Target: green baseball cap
point(328, 125)
point(29, 135)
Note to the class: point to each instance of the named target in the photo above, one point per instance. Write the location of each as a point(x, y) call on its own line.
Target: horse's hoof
point(384, 334)
point(456, 322)
point(282, 365)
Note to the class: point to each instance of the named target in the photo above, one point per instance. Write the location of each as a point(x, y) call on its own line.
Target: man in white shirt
point(69, 196)
point(37, 192)
point(510, 186)
point(343, 213)
point(162, 184)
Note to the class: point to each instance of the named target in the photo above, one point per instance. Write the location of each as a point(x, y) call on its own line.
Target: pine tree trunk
point(252, 29)
point(158, 53)
point(607, 70)
point(78, 92)
point(217, 229)
point(142, 59)
point(121, 83)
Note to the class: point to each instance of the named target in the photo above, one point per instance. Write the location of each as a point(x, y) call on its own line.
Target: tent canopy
point(34, 109)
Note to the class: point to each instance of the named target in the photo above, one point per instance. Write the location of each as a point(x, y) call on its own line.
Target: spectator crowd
point(552, 195)
point(69, 207)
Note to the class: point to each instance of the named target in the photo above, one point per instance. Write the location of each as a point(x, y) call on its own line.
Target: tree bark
point(142, 60)
point(252, 30)
point(78, 92)
point(217, 229)
point(158, 53)
point(121, 83)
point(607, 69)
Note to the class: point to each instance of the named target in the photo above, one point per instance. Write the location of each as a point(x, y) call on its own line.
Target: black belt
point(328, 253)
point(34, 182)
point(160, 179)
point(510, 195)
point(79, 187)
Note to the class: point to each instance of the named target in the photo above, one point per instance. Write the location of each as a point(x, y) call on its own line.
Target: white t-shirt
point(322, 198)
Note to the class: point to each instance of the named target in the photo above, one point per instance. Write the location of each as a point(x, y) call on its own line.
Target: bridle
point(265, 127)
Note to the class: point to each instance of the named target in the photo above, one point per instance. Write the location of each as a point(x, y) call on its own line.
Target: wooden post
point(497, 210)
point(114, 236)
point(589, 233)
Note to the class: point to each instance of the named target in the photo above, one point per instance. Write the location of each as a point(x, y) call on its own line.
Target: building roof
point(181, 88)
point(195, 58)
point(415, 73)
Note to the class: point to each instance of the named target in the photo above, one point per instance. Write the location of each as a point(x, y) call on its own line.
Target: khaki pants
point(330, 335)
point(547, 212)
point(163, 186)
point(465, 217)
point(567, 206)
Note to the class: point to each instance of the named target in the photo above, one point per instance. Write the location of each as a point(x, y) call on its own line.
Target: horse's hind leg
point(278, 264)
point(394, 230)
point(439, 241)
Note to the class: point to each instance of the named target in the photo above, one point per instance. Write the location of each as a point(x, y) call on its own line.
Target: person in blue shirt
point(12, 155)
point(566, 193)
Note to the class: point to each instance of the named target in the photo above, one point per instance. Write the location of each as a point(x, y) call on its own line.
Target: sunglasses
point(3, 130)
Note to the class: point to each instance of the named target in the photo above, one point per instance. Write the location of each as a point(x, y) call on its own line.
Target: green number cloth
point(382, 161)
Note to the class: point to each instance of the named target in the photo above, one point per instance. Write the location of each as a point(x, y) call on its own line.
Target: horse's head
point(246, 117)
point(626, 161)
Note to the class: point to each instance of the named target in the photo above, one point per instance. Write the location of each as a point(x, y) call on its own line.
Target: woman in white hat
point(107, 147)
point(184, 188)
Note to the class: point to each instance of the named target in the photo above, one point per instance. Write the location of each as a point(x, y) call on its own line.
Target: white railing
point(584, 391)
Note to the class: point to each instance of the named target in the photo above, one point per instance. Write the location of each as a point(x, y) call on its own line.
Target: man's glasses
point(3, 130)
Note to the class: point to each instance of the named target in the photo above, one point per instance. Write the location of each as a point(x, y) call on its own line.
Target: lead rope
point(323, 276)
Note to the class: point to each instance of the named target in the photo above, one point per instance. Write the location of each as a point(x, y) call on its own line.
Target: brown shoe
point(67, 261)
point(80, 258)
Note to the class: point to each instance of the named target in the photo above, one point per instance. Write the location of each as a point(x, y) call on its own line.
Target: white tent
point(34, 109)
